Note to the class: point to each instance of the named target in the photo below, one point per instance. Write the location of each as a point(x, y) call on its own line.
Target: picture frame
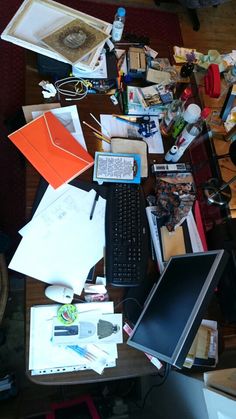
point(34, 17)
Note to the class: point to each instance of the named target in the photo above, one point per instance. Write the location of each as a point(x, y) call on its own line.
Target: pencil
point(98, 132)
point(96, 120)
point(100, 137)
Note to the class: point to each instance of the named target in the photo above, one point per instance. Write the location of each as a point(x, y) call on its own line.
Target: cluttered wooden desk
point(129, 362)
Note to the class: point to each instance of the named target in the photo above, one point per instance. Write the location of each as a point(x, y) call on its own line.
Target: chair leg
point(194, 18)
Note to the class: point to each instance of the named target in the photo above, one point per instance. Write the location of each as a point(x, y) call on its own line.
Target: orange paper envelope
point(51, 149)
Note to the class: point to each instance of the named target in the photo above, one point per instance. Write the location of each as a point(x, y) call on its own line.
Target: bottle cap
point(192, 113)
point(121, 11)
point(205, 113)
point(178, 155)
point(186, 93)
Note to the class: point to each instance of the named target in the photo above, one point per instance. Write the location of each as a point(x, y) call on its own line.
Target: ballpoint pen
point(83, 352)
point(94, 205)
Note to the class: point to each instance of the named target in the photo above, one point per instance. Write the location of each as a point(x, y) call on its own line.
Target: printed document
point(61, 243)
point(45, 357)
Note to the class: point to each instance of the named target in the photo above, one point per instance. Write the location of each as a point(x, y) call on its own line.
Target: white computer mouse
point(60, 294)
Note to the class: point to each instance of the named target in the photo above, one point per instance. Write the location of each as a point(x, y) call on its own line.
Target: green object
point(67, 314)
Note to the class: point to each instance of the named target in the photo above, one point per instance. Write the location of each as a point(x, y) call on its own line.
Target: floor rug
point(141, 22)
point(12, 167)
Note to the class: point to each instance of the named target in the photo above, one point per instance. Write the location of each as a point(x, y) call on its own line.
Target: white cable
point(76, 93)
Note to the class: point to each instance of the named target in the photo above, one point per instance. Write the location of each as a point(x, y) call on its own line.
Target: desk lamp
point(218, 192)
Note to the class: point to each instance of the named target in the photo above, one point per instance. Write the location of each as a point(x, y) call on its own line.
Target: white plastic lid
point(192, 113)
point(121, 11)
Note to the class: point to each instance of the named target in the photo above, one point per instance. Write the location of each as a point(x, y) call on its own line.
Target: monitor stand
point(135, 297)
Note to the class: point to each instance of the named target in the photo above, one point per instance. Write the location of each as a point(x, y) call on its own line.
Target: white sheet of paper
point(121, 129)
point(48, 198)
point(62, 243)
point(42, 353)
point(69, 117)
point(90, 327)
point(99, 72)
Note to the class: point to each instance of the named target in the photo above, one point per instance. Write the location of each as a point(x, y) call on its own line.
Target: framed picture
point(75, 40)
point(33, 19)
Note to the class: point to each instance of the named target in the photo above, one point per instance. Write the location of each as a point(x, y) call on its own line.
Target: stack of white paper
point(61, 244)
point(46, 357)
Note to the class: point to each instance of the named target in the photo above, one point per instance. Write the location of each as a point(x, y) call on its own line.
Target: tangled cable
point(77, 88)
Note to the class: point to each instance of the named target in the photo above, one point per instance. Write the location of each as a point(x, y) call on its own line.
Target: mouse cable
point(77, 88)
point(163, 380)
point(128, 299)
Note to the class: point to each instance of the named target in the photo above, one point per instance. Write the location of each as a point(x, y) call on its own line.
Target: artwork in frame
point(75, 40)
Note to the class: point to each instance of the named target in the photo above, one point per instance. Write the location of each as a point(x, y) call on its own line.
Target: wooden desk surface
point(130, 362)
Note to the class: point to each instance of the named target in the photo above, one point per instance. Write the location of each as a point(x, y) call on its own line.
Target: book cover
point(52, 150)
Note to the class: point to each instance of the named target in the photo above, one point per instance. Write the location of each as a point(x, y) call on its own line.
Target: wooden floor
point(217, 31)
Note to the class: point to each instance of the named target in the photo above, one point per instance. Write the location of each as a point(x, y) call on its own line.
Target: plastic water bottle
point(118, 24)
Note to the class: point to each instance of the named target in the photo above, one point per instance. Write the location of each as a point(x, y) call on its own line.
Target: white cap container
point(192, 113)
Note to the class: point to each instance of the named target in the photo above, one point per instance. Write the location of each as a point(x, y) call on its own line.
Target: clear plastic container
point(118, 24)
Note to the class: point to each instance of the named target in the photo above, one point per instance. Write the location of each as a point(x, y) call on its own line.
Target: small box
point(136, 61)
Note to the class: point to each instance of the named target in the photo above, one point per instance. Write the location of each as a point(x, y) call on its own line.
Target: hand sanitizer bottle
point(118, 24)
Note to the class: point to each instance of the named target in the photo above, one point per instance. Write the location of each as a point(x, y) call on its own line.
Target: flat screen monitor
point(176, 305)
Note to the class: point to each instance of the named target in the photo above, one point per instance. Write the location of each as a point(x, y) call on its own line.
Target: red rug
point(150, 22)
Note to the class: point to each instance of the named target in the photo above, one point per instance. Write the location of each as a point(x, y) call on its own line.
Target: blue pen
point(83, 352)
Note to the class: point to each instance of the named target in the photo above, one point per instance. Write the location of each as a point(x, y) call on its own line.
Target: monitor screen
point(175, 307)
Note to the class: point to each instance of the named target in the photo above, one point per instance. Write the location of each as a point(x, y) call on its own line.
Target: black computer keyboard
point(127, 235)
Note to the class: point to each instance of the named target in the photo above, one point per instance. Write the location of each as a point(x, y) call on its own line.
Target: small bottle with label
point(118, 24)
point(170, 154)
point(178, 154)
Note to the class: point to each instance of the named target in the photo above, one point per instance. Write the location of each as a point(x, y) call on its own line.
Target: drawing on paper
point(75, 39)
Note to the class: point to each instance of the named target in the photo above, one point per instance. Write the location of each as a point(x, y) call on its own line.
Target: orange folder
point(51, 149)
